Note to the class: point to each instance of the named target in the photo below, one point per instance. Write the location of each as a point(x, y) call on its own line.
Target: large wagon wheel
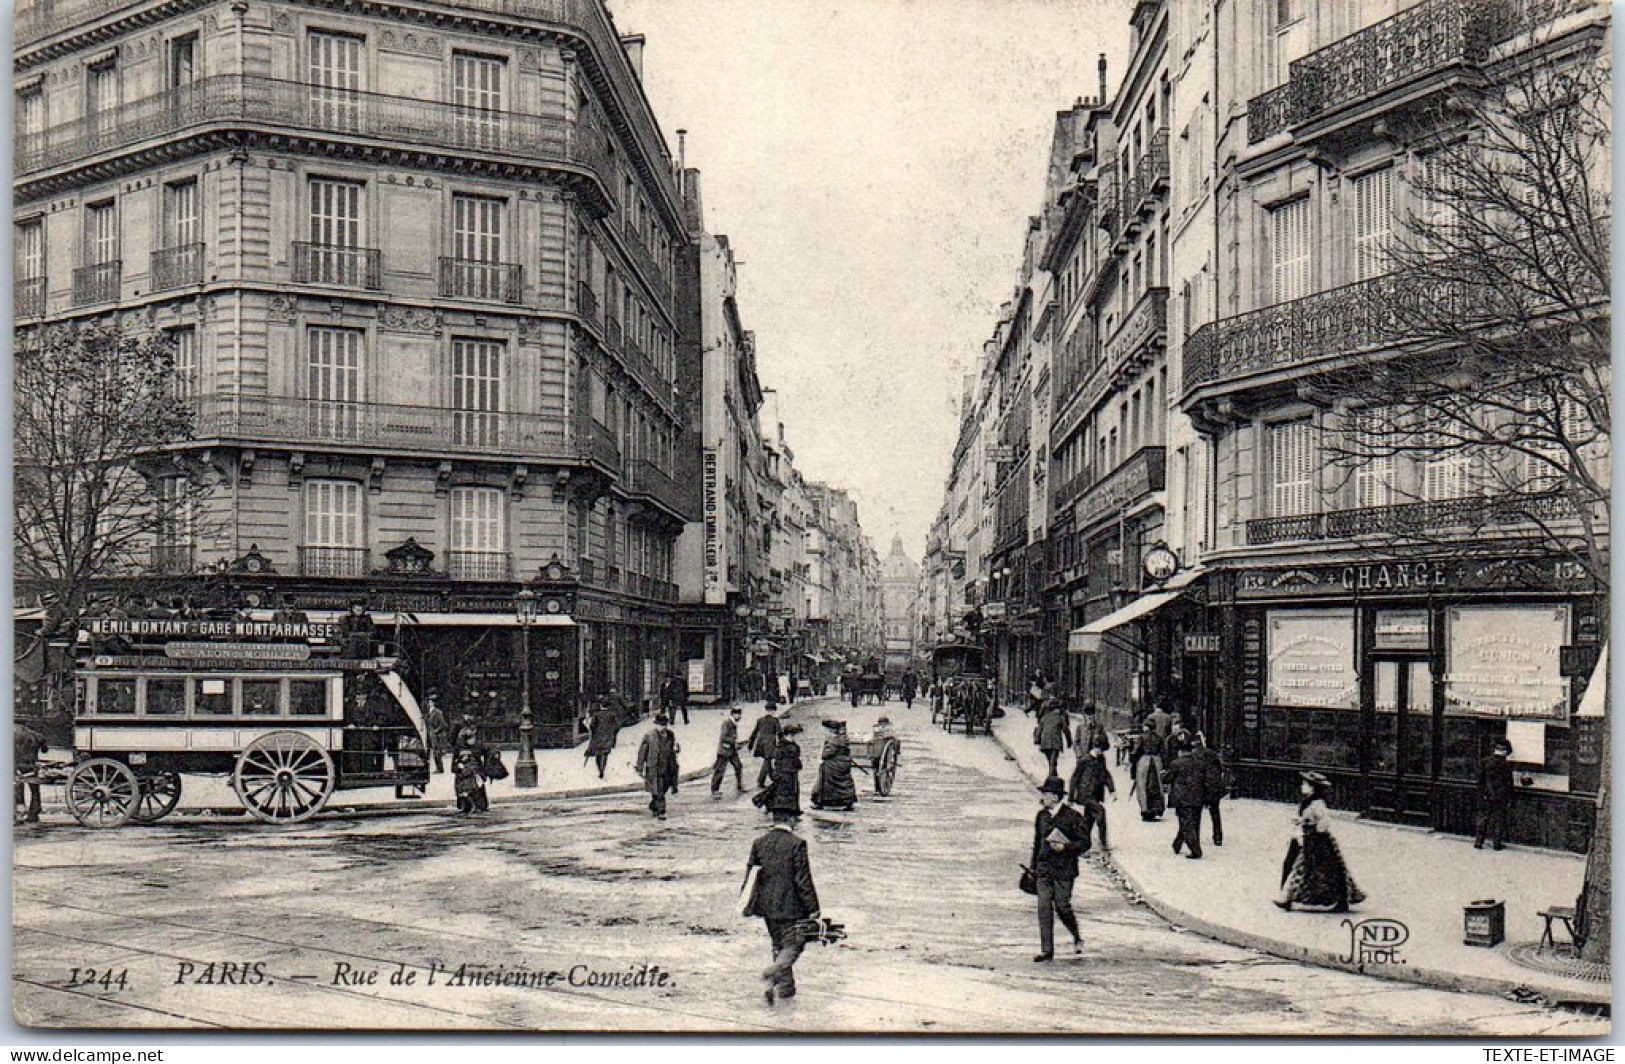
point(102, 793)
point(886, 769)
point(284, 777)
point(160, 793)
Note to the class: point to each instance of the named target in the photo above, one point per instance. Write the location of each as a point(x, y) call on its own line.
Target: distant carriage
point(276, 708)
point(962, 692)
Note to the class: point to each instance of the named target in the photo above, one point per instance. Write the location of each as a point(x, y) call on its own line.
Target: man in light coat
point(728, 754)
point(657, 764)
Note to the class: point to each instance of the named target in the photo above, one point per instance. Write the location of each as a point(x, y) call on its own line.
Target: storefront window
point(1311, 715)
point(1504, 682)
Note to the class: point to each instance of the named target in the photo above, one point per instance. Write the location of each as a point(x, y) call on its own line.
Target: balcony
point(334, 561)
point(177, 266)
point(1151, 175)
point(174, 559)
point(28, 297)
point(97, 284)
point(1400, 55)
point(1143, 473)
point(586, 303)
point(345, 267)
point(1072, 488)
point(1408, 520)
point(613, 336)
point(478, 565)
point(1144, 332)
point(595, 443)
point(425, 430)
point(298, 109)
point(650, 481)
point(495, 282)
point(645, 260)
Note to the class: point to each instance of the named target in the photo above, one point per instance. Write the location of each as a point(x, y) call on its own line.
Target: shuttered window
point(335, 79)
point(1448, 475)
point(31, 111)
point(30, 250)
point(476, 391)
point(1289, 251)
point(1373, 222)
point(335, 213)
point(180, 213)
point(332, 513)
point(476, 228)
point(477, 91)
point(476, 519)
point(101, 233)
point(187, 369)
point(1293, 465)
point(333, 382)
point(1374, 476)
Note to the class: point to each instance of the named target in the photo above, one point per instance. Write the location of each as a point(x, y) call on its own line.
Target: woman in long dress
point(835, 789)
point(1317, 879)
point(783, 794)
point(1146, 764)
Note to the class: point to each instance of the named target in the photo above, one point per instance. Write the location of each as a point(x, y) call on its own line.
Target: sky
point(874, 164)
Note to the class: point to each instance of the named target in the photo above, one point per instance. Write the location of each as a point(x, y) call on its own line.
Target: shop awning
point(1594, 701)
point(1092, 636)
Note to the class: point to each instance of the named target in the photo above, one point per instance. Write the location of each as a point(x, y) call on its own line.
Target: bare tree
point(101, 477)
point(1491, 412)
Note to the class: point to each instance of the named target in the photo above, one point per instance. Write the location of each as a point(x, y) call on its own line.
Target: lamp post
point(524, 772)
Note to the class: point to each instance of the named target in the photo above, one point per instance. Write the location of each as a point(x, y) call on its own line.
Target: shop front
point(1396, 679)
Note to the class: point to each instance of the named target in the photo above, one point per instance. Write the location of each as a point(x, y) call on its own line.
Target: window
point(261, 698)
point(335, 213)
point(335, 80)
point(1289, 251)
point(165, 697)
point(1293, 465)
point(477, 228)
point(307, 698)
point(180, 213)
point(115, 697)
point(183, 64)
point(101, 233)
point(29, 250)
point(1373, 222)
point(211, 697)
point(477, 539)
point(102, 90)
point(31, 110)
point(476, 87)
point(1374, 476)
point(187, 369)
point(476, 392)
point(333, 382)
point(333, 532)
point(1448, 475)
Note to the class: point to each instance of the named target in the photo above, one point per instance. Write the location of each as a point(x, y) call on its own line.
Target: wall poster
point(1503, 661)
point(1310, 656)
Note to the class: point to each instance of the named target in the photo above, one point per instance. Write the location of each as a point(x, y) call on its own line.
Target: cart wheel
point(102, 793)
point(160, 794)
point(283, 777)
point(886, 771)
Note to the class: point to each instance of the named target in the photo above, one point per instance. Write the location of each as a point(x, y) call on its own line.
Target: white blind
point(1289, 250)
point(332, 513)
point(30, 250)
point(476, 226)
point(476, 519)
point(477, 90)
point(1292, 468)
point(1374, 476)
point(1373, 222)
point(101, 233)
point(1449, 474)
point(101, 90)
point(335, 213)
point(187, 370)
point(30, 111)
point(333, 366)
point(335, 78)
point(181, 213)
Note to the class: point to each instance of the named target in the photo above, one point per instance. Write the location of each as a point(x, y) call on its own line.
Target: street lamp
point(524, 772)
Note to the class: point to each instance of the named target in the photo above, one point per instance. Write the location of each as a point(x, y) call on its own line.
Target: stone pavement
point(1417, 877)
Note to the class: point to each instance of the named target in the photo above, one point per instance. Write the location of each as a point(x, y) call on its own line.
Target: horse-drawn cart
point(962, 693)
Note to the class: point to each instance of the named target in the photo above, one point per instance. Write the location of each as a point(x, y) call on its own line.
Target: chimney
point(682, 150)
point(633, 44)
point(1101, 66)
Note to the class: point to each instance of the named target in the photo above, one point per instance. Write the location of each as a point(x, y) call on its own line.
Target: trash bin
point(1485, 923)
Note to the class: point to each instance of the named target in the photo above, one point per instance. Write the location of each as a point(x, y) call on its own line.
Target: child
point(1091, 779)
point(466, 768)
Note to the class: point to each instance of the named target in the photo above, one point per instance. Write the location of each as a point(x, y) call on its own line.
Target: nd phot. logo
point(1375, 941)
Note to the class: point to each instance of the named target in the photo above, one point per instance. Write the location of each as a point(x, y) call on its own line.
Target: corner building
point(423, 265)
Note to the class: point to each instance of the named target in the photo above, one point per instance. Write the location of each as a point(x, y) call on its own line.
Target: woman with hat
point(1315, 879)
point(783, 794)
point(835, 788)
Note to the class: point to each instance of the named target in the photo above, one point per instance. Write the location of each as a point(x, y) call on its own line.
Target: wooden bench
point(1564, 913)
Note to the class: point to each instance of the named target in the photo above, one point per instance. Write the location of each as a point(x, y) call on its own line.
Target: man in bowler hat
point(1059, 836)
point(784, 896)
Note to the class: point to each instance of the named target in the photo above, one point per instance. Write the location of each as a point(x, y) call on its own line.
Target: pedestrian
point(1051, 734)
point(1160, 721)
point(1214, 783)
point(728, 754)
point(1091, 779)
point(603, 727)
point(1146, 767)
point(770, 690)
point(1494, 795)
point(1090, 731)
point(835, 789)
point(911, 687)
point(434, 722)
point(783, 896)
point(1037, 693)
point(1183, 778)
point(1059, 836)
point(26, 747)
point(764, 739)
point(657, 764)
point(1317, 879)
point(783, 793)
point(468, 777)
point(674, 697)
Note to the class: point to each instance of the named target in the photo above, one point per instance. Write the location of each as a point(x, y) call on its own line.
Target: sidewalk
point(560, 773)
point(1414, 876)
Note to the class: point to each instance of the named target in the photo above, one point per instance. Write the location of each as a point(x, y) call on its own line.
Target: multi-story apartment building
point(1378, 624)
point(421, 264)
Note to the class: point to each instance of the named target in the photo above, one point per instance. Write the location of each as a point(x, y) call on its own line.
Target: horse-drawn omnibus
point(961, 689)
point(287, 711)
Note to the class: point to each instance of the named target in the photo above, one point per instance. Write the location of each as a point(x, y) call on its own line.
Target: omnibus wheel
point(284, 777)
point(160, 793)
point(102, 793)
point(886, 771)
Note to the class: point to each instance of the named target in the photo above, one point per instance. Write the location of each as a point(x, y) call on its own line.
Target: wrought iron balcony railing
point(478, 565)
point(586, 302)
point(597, 444)
point(497, 282)
point(343, 266)
point(1413, 519)
point(1151, 175)
point(97, 284)
point(1430, 37)
point(177, 266)
point(649, 480)
point(28, 297)
point(1140, 475)
point(1144, 331)
point(423, 430)
point(334, 561)
point(646, 263)
point(298, 108)
point(1072, 487)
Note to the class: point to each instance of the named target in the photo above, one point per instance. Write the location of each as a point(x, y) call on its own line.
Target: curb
point(1432, 977)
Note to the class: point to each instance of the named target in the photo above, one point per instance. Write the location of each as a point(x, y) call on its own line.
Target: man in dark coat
point(1090, 732)
point(1494, 795)
point(358, 633)
point(1183, 778)
point(1211, 769)
point(728, 754)
point(764, 739)
point(1091, 779)
point(1052, 735)
point(784, 896)
point(1160, 721)
point(657, 764)
point(1059, 836)
point(674, 697)
point(439, 733)
point(26, 747)
point(603, 725)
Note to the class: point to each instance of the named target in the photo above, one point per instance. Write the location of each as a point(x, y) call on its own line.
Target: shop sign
point(1504, 661)
point(711, 511)
point(1202, 642)
point(254, 652)
point(1311, 659)
point(1398, 576)
point(166, 627)
point(1402, 630)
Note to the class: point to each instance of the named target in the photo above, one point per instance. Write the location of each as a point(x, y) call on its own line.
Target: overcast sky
point(874, 163)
